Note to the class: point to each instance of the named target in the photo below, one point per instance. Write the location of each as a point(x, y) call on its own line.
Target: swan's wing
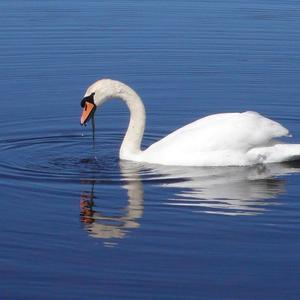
point(238, 132)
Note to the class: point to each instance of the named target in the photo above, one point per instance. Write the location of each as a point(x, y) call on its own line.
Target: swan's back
point(215, 139)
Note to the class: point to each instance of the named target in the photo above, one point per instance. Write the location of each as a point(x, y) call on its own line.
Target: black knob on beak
point(89, 99)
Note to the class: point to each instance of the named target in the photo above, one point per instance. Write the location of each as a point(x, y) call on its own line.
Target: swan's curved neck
point(131, 145)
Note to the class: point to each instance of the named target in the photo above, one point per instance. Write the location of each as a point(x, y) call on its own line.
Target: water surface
point(79, 224)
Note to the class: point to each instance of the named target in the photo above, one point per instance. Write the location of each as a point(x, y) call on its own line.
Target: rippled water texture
point(77, 223)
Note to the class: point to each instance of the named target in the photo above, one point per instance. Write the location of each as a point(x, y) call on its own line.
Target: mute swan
point(226, 139)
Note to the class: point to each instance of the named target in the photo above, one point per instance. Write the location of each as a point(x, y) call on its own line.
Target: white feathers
point(217, 140)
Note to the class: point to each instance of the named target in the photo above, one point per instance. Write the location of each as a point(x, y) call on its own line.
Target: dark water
point(78, 224)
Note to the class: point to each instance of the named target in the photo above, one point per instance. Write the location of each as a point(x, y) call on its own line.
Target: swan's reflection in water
point(111, 227)
point(218, 190)
point(232, 191)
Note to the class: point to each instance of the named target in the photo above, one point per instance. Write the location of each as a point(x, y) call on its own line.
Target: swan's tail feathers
point(275, 154)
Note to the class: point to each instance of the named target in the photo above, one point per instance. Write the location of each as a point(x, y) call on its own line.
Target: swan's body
point(227, 139)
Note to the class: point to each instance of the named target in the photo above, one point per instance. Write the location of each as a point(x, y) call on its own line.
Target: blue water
point(76, 222)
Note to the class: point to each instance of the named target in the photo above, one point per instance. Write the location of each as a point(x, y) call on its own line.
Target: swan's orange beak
point(87, 113)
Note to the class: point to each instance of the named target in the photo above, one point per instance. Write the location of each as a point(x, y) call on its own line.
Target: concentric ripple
point(47, 156)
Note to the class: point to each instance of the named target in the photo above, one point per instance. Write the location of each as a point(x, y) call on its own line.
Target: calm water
point(78, 224)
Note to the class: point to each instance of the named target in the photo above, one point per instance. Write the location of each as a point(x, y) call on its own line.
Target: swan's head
point(97, 94)
point(89, 108)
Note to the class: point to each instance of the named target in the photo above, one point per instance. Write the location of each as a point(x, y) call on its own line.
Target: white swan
point(227, 139)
